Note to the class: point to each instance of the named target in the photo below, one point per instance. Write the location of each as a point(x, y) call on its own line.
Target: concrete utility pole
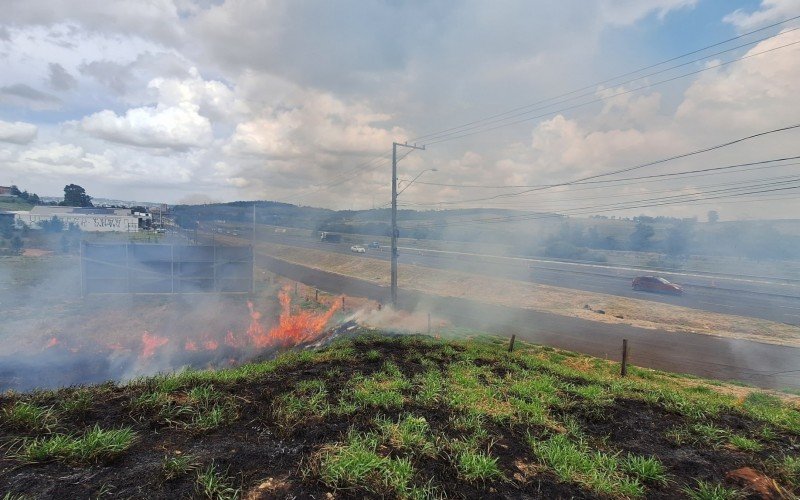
point(395, 232)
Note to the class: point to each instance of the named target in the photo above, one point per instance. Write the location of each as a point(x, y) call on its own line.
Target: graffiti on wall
point(87, 222)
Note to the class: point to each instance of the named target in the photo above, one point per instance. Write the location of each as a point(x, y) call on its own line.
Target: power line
point(659, 201)
point(686, 172)
point(633, 195)
point(429, 135)
point(364, 167)
point(450, 137)
point(628, 169)
point(482, 123)
point(516, 203)
point(345, 176)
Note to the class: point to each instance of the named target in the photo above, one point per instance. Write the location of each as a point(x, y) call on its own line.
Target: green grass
point(772, 410)
point(463, 406)
point(373, 355)
point(95, 445)
point(382, 390)
point(357, 463)
point(215, 485)
point(594, 394)
point(78, 403)
point(178, 466)
point(711, 436)
point(409, 433)
point(14, 496)
point(200, 408)
point(704, 490)
point(787, 469)
point(477, 466)
point(745, 444)
point(598, 471)
point(308, 401)
point(28, 417)
point(645, 469)
point(428, 388)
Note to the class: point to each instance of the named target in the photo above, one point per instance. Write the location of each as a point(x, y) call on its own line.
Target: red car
point(656, 284)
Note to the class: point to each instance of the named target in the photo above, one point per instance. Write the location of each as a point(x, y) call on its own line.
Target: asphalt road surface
point(763, 365)
point(743, 296)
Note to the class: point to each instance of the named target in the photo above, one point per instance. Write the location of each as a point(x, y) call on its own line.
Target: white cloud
point(17, 132)
point(265, 99)
point(314, 122)
point(177, 127)
point(56, 158)
point(755, 93)
point(23, 95)
point(59, 78)
point(768, 12)
point(215, 99)
point(626, 12)
point(156, 19)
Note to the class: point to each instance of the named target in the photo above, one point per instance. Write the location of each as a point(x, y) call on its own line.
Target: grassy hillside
point(406, 417)
point(14, 204)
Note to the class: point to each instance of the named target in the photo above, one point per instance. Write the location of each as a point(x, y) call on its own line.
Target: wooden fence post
point(511, 344)
point(624, 367)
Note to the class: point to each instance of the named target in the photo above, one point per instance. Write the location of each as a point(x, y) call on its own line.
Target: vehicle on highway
point(374, 245)
point(330, 237)
point(656, 284)
point(358, 249)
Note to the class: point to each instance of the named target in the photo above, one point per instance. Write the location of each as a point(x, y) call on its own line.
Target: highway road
point(772, 300)
point(763, 365)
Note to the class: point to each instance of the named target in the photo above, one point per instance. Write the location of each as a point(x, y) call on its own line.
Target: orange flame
point(230, 340)
point(52, 343)
point(190, 345)
point(210, 345)
point(292, 329)
point(150, 343)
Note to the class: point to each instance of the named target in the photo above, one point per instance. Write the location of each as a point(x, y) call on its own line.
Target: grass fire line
point(154, 351)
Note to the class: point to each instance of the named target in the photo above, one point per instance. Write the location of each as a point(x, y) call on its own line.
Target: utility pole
point(253, 256)
point(395, 231)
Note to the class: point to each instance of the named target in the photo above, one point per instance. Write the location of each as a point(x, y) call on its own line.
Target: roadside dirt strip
point(760, 364)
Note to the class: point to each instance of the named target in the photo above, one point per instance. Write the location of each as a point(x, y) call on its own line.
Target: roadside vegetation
point(402, 417)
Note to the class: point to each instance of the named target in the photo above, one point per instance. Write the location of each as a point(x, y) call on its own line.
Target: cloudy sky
point(300, 101)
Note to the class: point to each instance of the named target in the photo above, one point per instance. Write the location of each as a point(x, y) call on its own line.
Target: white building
point(87, 219)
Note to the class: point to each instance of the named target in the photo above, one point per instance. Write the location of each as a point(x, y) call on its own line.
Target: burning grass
point(213, 333)
point(401, 417)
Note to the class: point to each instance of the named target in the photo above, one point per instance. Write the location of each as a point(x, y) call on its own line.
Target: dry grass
point(563, 301)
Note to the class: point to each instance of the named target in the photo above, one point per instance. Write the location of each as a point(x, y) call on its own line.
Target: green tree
point(75, 196)
point(16, 244)
point(54, 225)
point(713, 216)
point(6, 227)
point(641, 238)
point(678, 239)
